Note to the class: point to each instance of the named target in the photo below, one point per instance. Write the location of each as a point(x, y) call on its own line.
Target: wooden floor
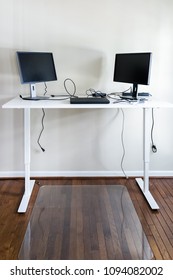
point(157, 225)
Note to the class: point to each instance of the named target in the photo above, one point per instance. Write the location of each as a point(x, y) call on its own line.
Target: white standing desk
point(26, 105)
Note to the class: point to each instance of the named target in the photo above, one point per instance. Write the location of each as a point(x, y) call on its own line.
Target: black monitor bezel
point(25, 80)
point(125, 78)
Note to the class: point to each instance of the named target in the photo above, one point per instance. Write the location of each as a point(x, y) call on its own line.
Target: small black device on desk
point(89, 100)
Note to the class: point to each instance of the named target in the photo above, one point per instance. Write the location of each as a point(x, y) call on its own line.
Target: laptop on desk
point(89, 100)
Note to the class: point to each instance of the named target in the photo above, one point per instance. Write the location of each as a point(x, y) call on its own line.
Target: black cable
point(42, 121)
point(58, 98)
point(45, 88)
point(123, 146)
point(153, 146)
point(95, 93)
point(121, 101)
point(65, 96)
point(114, 95)
point(43, 111)
point(74, 90)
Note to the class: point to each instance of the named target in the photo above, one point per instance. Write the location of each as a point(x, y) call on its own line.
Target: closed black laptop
point(89, 100)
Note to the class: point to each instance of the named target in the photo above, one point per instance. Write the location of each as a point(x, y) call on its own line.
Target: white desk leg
point(29, 184)
point(144, 184)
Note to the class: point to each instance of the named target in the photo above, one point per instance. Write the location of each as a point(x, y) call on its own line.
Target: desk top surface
point(18, 103)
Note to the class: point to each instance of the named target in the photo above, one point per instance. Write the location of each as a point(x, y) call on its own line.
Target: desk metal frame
point(18, 103)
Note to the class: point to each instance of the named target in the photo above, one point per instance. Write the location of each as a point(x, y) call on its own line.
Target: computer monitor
point(36, 67)
point(132, 68)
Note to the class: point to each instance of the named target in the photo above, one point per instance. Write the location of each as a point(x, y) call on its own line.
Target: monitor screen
point(36, 67)
point(132, 68)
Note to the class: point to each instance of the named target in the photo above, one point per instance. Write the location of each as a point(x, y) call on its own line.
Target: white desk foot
point(25, 199)
point(147, 195)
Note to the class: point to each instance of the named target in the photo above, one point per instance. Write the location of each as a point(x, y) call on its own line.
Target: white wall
point(84, 37)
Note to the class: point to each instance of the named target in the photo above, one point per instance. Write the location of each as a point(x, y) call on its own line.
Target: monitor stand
point(135, 92)
point(131, 95)
point(33, 96)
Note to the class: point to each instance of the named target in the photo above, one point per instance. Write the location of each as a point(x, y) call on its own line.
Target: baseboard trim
point(14, 174)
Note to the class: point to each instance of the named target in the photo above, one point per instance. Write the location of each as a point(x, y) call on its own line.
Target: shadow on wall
point(8, 62)
point(84, 65)
point(9, 79)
